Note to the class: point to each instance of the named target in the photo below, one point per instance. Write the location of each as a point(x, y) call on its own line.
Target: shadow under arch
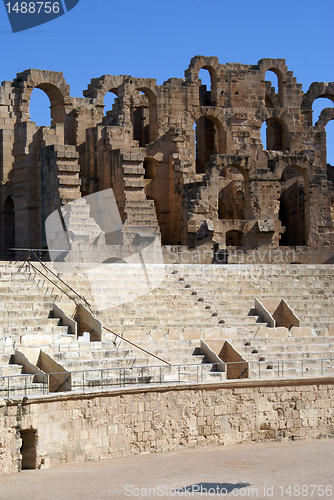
point(294, 206)
point(276, 134)
point(234, 238)
point(8, 228)
point(233, 195)
point(143, 115)
point(209, 140)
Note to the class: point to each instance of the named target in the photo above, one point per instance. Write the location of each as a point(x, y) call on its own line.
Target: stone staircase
point(25, 309)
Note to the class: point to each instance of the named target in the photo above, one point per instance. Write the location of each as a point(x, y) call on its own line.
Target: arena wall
point(73, 427)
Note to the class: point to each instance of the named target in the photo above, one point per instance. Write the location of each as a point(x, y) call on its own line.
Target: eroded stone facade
point(179, 156)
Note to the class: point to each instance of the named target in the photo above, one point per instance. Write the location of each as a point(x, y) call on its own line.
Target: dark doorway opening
point(29, 448)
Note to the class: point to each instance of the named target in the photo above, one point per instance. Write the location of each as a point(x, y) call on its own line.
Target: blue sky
point(158, 39)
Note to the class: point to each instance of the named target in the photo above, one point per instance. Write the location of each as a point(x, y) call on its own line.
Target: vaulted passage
point(234, 238)
point(140, 118)
point(9, 227)
point(292, 207)
point(231, 198)
point(207, 142)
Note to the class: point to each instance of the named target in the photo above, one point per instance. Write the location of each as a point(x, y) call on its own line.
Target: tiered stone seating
point(287, 356)
point(193, 302)
point(187, 364)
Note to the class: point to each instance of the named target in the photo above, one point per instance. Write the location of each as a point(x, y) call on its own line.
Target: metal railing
point(82, 380)
point(81, 297)
point(103, 378)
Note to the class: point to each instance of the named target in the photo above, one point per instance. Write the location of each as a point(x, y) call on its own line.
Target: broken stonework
point(180, 157)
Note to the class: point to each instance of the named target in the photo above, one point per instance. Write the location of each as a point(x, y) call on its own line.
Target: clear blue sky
point(158, 39)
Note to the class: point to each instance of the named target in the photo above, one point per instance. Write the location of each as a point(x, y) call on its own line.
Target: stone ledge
point(203, 386)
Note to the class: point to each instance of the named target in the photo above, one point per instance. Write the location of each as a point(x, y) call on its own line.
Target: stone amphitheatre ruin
point(242, 325)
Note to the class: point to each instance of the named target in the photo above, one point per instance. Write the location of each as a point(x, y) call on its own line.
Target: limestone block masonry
point(67, 428)
point(179, 156)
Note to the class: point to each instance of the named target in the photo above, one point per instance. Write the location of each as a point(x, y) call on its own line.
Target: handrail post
point(8, 389)
point(101, 378)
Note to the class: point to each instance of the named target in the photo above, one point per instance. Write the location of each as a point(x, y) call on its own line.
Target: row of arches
point(209, 139)
point(46, 99)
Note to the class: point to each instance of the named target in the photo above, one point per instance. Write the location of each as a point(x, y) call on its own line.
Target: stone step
point(287, 340)
point(12, 320)
point(10, 369)
point(76, 365)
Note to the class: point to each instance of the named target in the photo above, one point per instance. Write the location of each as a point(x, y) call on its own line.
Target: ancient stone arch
point(317, 90)
point(52, 83)
point(106, 152)
point(148, 87)
point(280, 69)
point(326, 115)
point(98, 87)
point(209, 63)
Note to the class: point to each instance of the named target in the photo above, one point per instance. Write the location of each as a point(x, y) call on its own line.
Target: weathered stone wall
point(198, 154)
point(81, 427)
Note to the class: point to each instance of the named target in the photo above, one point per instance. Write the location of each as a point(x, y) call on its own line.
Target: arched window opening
point(231, 198)
point(39, 108)
point(207, 142)
point(205, 88)
point(273, 90)
point(9, 227)
point(273, 135)
point(263, 133)
point(234, 238)
point(292, 207)
point(330, 142)
point(140, 117)
point(318, 105)
point(110, 103)
point(272, 80)
point(150, 168)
